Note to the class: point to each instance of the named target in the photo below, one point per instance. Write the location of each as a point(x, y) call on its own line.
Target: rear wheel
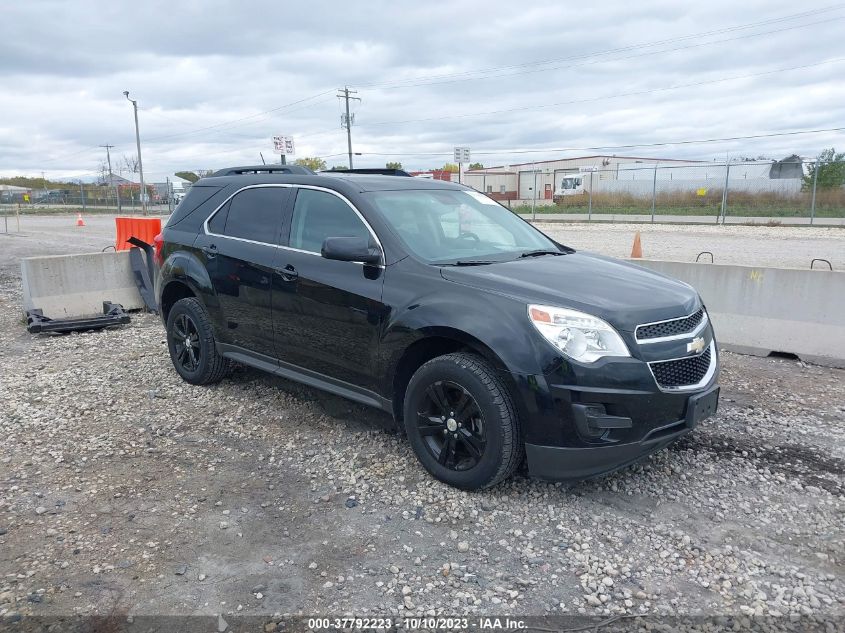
point(461, 422)
point(190, 340)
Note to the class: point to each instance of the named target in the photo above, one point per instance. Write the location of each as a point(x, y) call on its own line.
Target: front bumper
point(560, 463)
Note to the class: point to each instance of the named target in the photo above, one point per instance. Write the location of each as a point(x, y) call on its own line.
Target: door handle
point(210, 251)
point(288, 273)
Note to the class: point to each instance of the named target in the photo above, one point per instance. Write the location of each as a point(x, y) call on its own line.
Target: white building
point(542, 179)
point(547, 180)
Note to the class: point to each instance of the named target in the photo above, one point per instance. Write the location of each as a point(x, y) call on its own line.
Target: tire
point(199, 364)
point(481, 438)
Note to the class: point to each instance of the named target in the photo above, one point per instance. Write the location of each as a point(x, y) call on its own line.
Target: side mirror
point(351, 249)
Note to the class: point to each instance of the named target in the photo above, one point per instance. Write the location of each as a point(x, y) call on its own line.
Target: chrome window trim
point(673, 337)
point(708, 376)
point(281, 246)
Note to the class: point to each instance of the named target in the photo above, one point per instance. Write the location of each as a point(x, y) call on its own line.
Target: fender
point(186, 268)
point(474, 317)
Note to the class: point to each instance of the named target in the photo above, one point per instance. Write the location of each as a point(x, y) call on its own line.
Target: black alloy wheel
point(452, 426)
point(461, 421)
point(186, 341)
point(190, 341)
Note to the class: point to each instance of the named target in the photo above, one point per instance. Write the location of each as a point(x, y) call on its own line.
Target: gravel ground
point(125, 490)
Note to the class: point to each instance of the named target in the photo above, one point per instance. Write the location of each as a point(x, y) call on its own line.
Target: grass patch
point(829, 204)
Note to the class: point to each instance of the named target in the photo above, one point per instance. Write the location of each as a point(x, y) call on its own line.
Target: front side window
point(318, 215)
point(443, 226)
point(253, 214)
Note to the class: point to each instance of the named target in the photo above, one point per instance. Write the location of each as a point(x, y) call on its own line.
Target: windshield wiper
point(471, 262)
point(540, 252)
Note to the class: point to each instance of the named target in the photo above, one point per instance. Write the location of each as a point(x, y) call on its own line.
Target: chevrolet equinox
point(489, 343)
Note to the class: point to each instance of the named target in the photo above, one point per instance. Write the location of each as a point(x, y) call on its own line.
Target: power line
point(611, 147)
point(490, 73)
point(251, 116)
point(472, 115)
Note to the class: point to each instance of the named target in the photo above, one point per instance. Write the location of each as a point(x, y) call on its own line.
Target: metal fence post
point(653, 192)
point(590, 203)
point(724, 210)
point(534, 195)
point(82, 195)
point(813, 202)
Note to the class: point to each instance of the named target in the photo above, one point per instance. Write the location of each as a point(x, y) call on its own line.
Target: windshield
point(445, 226)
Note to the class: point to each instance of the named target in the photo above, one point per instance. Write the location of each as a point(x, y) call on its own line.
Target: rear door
point(240, 248)
point(328, 314)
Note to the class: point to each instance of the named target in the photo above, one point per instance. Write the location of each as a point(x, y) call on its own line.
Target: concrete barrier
point(763, 310)
point(70, 286)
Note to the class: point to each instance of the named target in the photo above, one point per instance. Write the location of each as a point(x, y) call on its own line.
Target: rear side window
point(217, 223)
point(194, 199)
point(318, 215)
point(253, 214)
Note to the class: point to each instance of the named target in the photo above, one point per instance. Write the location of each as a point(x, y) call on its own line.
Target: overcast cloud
point(206, 74)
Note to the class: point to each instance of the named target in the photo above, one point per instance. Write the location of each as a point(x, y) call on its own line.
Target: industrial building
point(542, 179)
point(545, 181)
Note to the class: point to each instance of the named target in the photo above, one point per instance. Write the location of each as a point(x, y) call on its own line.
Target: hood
point(623, 294)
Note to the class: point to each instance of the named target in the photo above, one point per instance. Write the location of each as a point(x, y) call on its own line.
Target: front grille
point(682, 372)
point(684, 325)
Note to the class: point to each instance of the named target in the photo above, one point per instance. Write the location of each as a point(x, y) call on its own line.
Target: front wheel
point(462, 423)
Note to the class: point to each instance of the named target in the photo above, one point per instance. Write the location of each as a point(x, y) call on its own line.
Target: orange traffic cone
point(637, 250)
point(79, 220)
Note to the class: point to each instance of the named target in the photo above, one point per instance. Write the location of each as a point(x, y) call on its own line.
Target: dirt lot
point(123, 489)
point(783, 247)
point(792, 247)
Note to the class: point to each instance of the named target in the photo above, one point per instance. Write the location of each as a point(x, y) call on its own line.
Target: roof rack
point(373, 171)
point(263, 169)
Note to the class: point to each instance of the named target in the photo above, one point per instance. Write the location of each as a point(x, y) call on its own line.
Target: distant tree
point(187, 175)
point(314, 164)
point(831, 168)
point(336, 167)
point(450, 167)
point(393, 164)
point(131, 163)
point(476, 166)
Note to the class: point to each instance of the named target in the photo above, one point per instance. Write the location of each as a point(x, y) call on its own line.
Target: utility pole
point(653, 193)
point(346, 120)
point(724, 210)
point(140, 162)
point(111, 176)
point(815, 182)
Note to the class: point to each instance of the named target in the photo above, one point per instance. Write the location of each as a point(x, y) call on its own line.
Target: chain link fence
point(717, 192)
point(73, 202)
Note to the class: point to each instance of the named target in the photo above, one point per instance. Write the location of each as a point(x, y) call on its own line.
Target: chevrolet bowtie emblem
point(697, 345)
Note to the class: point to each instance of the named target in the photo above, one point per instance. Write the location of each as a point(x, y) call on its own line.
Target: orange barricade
point(143, 228)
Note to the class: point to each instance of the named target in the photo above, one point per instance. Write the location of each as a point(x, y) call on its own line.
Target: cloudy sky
point(512, 80)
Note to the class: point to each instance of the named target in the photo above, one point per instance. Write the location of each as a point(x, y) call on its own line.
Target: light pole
point(138, 143)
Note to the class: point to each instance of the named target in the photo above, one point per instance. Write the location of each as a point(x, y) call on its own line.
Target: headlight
point(580, 336)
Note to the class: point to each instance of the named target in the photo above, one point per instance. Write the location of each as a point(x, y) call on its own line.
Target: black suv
point(485, 339)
